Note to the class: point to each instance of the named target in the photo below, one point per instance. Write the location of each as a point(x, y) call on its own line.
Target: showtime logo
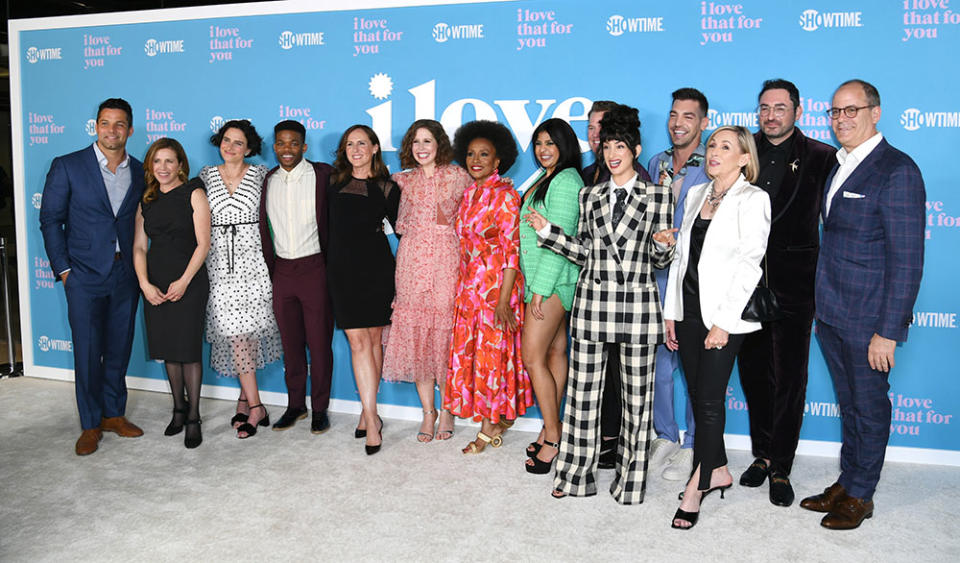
point(37, 200)
point(216, 122)
point(913, 119)
point(617, 25)
point(91, 127)
point(288, 39)
point(153, 47)
point(35, 55)
point(512, 113)
point(443, 32)
point(746, 119)
point(812, 20)
point(52, 344)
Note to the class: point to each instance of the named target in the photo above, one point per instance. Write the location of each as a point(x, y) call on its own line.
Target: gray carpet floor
point(281, 496)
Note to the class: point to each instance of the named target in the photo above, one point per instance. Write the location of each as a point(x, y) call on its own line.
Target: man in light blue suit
point(868, 276)
point(680, 167)
point(87, 217)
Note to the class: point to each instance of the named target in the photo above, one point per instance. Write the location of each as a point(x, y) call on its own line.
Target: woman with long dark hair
point(418, 346)
point(360, 264)
point(171, 241)
point(550, 281)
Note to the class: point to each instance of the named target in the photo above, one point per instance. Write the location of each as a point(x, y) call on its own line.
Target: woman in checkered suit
point(616, 310)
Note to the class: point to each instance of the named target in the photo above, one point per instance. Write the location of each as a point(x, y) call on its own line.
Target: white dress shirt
point(848, 163)
point(292, 211)
point(613, 192)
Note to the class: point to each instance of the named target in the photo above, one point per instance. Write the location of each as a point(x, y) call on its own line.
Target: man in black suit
point(773, 361)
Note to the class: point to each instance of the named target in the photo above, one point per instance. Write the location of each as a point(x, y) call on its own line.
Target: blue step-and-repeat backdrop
point(384, 64)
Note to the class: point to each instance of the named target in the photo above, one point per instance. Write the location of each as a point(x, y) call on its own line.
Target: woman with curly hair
point(418, 346)
point(622, 234)
point(241, 328)
point(360, 264)
point(170, 243)
point(486, 379)
point(550, 281)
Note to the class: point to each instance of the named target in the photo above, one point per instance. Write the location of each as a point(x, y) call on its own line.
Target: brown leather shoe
point(825, 501)
point(88, 441)
point(848, 513)
point(121, 426)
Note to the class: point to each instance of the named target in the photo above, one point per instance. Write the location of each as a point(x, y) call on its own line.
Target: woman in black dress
point(360, 264)
point(175, 217)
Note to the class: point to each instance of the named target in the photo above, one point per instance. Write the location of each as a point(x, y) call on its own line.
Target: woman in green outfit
point(550, 281)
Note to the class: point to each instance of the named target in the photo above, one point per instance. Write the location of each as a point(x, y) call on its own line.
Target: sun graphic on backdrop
point(380, 86)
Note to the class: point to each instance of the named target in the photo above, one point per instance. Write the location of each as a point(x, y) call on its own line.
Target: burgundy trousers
point(302, 307)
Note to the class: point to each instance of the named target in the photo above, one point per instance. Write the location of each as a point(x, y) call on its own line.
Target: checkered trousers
point(580, 442)
point(617, 299)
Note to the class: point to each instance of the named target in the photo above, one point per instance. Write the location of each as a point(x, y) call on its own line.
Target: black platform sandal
point(251, 429)
point(540, 467)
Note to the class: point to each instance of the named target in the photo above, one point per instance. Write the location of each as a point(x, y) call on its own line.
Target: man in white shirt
point(293, 231)
point(868, 276)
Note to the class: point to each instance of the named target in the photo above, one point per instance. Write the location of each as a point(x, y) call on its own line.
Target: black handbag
point(762, 306)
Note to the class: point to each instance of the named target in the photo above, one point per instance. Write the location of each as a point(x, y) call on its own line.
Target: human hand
point(176, 289)
point(716, 339)
point(505, 316)
point(880, 353)
point(535, 309)
point(535, 220)
point(152, 294)
point(672, 343)
point(666, 237)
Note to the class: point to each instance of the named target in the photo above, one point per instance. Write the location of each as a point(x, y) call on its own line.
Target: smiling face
point(289, 149)
point(233, 146)
point(851, 132)
point(685, 123)
point(547, 152)
point(165, 167)
point(619, 159)
point(360, 150)
point(424, 147)
point(113, 129)
point(481, 159)
point(777, 114)
point(593, 131)
point(724, 157)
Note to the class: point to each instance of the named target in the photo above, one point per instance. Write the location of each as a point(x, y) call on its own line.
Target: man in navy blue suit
point(89, 203)
point(868, 276)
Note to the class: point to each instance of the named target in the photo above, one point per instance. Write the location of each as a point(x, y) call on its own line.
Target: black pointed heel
point(374, 449)
point(191, 442)
point(174, 428)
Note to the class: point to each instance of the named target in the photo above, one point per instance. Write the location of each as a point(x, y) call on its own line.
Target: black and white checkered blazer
point(617, 298)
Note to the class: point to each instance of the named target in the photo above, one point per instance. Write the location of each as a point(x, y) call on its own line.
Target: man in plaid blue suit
point(868, 276)
point(616, 309)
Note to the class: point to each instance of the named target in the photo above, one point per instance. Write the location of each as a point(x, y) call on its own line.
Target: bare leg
point(426, 394)
point(539, 341)
point(248, 384)
point(446, 426)
point(367, 356)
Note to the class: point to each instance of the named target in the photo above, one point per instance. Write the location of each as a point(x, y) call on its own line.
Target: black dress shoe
point(320, 423)
point(781, 492)
point(289, 418)
point(755, 475)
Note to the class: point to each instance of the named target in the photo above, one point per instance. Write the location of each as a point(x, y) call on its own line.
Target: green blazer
point(545, 272)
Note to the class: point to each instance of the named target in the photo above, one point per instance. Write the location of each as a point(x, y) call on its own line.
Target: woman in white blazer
point(716, 268)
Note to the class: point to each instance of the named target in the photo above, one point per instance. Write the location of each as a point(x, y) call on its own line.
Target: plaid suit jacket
point(617, 298)
point(871, 256)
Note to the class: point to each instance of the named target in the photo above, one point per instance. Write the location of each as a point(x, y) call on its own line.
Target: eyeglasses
point(849, 111)
point(778, 110)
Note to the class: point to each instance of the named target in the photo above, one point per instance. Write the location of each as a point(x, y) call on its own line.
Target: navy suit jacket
point(871, 255)
point(80, 231)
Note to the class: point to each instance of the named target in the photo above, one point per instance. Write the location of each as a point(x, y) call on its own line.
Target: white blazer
point(733, 249)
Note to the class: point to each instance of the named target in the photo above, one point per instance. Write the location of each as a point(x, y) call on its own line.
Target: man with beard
point(773, 360)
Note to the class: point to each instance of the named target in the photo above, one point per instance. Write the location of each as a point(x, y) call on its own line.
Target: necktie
point(619, 206)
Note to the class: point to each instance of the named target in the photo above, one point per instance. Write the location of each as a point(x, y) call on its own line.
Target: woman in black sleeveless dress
point(360, 264)
point(175, 217)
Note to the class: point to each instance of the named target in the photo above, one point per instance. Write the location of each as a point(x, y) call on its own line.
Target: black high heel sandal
point(173, 428)
point(692, 517)
point(374, 449)
point(189, 441)
point(539, 466)
point(251, 429)
point(239, 418)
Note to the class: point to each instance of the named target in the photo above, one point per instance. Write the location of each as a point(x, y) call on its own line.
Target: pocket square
point(853, 195)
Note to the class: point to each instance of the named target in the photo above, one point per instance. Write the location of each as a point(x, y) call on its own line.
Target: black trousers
point(773, 373)
point(610, 403)
point(707, 373)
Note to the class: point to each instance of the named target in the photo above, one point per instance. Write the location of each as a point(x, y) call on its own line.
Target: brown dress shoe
point(825, 501)
point(121, 426)
point(88, 441)
point(848, 513)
